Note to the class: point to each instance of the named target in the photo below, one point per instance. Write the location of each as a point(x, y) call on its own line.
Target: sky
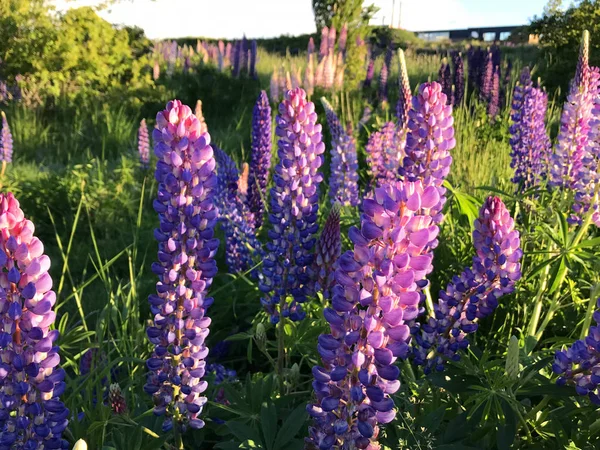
point(232, 19)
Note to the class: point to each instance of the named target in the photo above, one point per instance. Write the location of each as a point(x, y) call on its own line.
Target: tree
point(560, 34)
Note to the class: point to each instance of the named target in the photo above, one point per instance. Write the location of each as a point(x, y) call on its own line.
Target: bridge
point(481, 33)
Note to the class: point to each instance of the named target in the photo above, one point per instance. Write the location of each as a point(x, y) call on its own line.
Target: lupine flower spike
point(327, 252)
point(200, 116)
point(445, 79)
point(405, 93)
point(6, 144)
point(143, 145)
point(185, 171)
point(375, 295)
point(260, 158)
point(529, 140)
point(579, 364)
point(294, 206)
point(236, 220)
point(474, 294)
point(429, 141)
point(343, 186)
point(31, 413)
point(385, 152)
point(459, 78)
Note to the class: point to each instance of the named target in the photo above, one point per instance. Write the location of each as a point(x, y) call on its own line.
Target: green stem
point(281, 350)
point(539, 300)
point(178, 438)
point(590, 311)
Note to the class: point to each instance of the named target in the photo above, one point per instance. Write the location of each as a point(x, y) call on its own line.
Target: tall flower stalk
point(385, 152)
point(405, 93)
point(474, 294)
point(260, 158)
point(375, 295)
point(143, 145)
point(31, 413)
point(529, 140)
point(429, 141)
point(327, 252)
point(294, 206)
point(343, 181)
point(458, 78)
point(185, 171)
point(572, 141)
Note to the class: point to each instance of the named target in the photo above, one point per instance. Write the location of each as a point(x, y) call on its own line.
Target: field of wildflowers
point(300, 263)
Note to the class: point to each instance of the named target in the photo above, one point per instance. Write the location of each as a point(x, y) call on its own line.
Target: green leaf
point(242, 431)
point(294, 422)
point(268, 422)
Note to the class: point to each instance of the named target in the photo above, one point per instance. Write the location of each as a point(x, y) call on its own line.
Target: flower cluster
point(31, 413)
point(327, 252)
point(567, 166)
point(236, 220)
point(445, 80)
point(294, 206)
point(116, 399)
point(260, 157)
point(429, 141)
point(474, 294)
point(579, 364)
point(343, 186)
point(459, 78)
point(6, 141)
point(529, 140)
point(221, 373)
point(185, 171)
point(376, 293)
point(404, 94)
point(385, 151)
point(493, 106)
point(143, 145)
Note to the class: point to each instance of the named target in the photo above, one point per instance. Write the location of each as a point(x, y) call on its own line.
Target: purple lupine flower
point(459, 78)
point(429, 141)
point(364, 119)
point(494, 96)
point(445, 80)
point(116, 399)
point(385, 152)
point(324, 47)
point(331, 40)
point(370, 73)
point(572, 140)
point(327, 251)
point(474, 60)
point(405, 93)
point(253, 55)
point(236, 56)
point(506, 81)
point(31, 382)
point(244, 56)
point(260, 157)
point(294, 206)
point(236, 220)
point(583, 62)
point(143, 145)
point(588, 178)
point(487, 77)
point(342, 39)
point(529, 140)
point(376, 294)
point(579, 364)
point(343, 186)
point(222, 374)
point(185, 171)
point(6, 141)
point(383, 84)
point(311, 46)
point(474, 294)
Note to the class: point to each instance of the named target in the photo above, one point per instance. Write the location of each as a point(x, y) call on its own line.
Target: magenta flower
point(31, 413)
point(385, 152)
point(6, 141)
point(294, 206)
point(474, 294)
point(375, 295)
point(185, 171)
point(327, 252)
point(429, 141)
